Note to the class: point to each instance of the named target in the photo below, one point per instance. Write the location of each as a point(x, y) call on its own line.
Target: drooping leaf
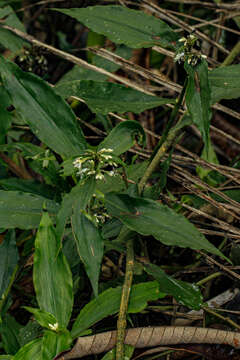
point(23, 210)
point(125, 26)
point(52, 276)
point(80, 195)
point(30, 351)
point(89, 245)
point(104, 97)
point(108, 302)
point(49, 117)
point(55, 343)
point(225, 83)
point(7, 38)
point(44, 318)
point(185, 293)
point(198, 98)
point(123, 136)
point(8, 261)
point(148, 217)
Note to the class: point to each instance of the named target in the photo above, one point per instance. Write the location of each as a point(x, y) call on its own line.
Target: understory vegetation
point(119, 177)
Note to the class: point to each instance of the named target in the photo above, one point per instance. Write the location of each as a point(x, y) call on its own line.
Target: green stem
point(165, 142)
point(234, 52)
point(208, 278)
point(212, 312)
point(122, 322)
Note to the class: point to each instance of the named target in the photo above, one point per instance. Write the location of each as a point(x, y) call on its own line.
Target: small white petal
point(53, 326)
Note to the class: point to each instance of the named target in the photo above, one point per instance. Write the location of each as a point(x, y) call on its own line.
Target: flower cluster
point(95, 164)
point(188, 51)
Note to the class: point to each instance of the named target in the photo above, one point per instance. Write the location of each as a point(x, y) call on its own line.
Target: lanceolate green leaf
point(23, 210)
point(7, 38)
point(48, 115)
point(9, 330)
point(55, 343)
point(148, 217)
point(104, 97)
point(185, 293)
point(44, 318)
point(89, 245)
point(79, 196)
point(108, 302)
point(198, 97)
point(51, 274)
point(125, 26)
point(8, 261)
point(30, 351)
point(123, 137)
point(225, 83)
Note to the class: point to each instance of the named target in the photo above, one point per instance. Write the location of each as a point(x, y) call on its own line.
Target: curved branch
point(150, 337)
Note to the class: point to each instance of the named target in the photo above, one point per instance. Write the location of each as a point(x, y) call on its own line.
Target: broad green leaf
point(51, 274)
point(29, 186)
point(81, 73)
point(29, 332)
point(30, 351)
point(9, 330)
point(198, 98)
point(55, 343)
point(49, 117)
point(23, 210)
point(6, 357)
point(104, 97)
point(125, 26)
point(225, 83)
point(123, 137)
point(44, 318)
point(8, 261)
point(108, 303)
point(7, 38)
point(111, 183)
point(185, 293)
point(89, 245)
point(79, 196)
point(148, 217)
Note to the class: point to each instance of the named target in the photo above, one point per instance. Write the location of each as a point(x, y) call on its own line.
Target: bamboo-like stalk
point(150, 337)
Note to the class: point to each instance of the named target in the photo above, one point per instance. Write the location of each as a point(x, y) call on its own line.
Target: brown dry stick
point(150, 337)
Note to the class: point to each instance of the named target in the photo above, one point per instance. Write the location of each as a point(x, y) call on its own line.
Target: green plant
point(85, 196)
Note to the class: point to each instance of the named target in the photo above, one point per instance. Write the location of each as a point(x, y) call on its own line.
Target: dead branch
point(150, 337)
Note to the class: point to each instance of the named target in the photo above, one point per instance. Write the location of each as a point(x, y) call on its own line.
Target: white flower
point(105, 150)
point(179, 57)
point(99, 176)
point(53, 327)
